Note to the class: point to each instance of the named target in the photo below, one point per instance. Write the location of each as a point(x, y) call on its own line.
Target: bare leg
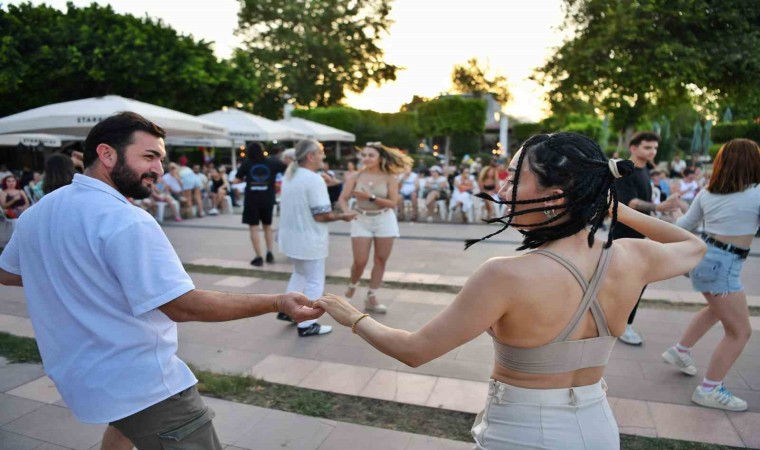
point(360, 247)
point(432, 197)
point(414, 206)
point(114, 440)
point(198, 201)
point(733, 313)
point(188, 196)
point(383, 247)
point(254, 231)
point(699, 325)
point(268, 237)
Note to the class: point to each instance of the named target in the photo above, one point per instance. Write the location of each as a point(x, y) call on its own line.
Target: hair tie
point(613, 167)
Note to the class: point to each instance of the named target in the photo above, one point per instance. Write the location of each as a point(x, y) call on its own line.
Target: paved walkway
point(648, 397)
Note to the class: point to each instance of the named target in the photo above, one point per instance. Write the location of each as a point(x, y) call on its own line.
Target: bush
point(713, 151)
point(522, 131)
point(724, 132)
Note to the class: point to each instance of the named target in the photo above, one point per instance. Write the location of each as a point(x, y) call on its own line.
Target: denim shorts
point(719, 272)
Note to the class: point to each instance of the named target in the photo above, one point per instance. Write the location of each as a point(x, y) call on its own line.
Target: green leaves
point(475, 78)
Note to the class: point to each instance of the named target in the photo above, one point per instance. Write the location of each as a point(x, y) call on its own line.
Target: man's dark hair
point(575, 164)
point(59, 171)
point(118, 132)
point(642, 136)
point(688, 171)
point(255, 152)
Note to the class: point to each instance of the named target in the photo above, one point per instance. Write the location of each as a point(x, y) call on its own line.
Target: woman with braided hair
point(554, 313)
point(375, 188)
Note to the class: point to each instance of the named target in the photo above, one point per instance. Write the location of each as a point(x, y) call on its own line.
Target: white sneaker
point(213, 212)
point(631, 337)
point(681, 360)
point(718, 398)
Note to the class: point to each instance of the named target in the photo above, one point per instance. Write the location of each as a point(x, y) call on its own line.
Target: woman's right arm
point(345, 193)
point(672, 251)
point(693, 216)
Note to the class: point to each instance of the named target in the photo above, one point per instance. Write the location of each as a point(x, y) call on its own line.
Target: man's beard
point(129, 183)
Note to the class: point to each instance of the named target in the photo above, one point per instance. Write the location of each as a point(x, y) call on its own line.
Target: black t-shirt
point(260, 177)
point(636, 186)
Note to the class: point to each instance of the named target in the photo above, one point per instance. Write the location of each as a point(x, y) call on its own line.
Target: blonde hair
point(302, 150)
point(392, 160)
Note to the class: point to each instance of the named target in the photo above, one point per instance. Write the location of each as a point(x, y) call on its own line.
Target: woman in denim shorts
point(727, 210)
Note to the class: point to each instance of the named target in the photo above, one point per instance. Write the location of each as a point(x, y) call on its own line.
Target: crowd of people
point(108, 335)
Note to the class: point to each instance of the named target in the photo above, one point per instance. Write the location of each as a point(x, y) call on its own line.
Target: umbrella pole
point(337, 150)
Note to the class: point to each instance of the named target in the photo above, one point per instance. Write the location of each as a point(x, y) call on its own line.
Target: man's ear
point(107, 155)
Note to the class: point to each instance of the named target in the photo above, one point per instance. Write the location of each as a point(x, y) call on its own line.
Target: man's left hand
point(299, 307)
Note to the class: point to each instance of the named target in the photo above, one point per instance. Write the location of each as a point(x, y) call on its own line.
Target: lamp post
point(503, 132)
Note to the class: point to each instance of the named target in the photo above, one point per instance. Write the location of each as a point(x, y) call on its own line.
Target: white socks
point(709, 385)
point(682, 349)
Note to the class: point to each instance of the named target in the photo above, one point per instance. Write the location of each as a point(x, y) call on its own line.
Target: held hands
point(349, 216)
point(339, 309)
point(672, 203)
point(298, 307)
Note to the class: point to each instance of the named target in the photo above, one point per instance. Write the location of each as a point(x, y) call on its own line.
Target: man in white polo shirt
point(303, 235)
point(104, 288)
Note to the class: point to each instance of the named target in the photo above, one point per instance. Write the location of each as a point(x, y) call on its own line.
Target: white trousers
point(308, 277)
point(519, 418)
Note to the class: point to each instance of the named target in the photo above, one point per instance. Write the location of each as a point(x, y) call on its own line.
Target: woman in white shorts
point(376, 191)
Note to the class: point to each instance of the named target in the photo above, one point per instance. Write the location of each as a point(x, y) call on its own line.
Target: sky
point(427, 38)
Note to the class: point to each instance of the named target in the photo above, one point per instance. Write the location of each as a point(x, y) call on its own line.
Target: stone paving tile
point(340, 378)
point(632, 413)
point(233, 420)
point(458, 395)
point(348, 436)
point(56, 424)
point(747, 424)
point(13, 441)
point(284, 369)
point(239, 282)
point(15, 375)
point(399, 387)
point(478, 353)
point(755, 323)
point(623, 368)
point(419, 442)
point(452, 368)
point(12, 407)
point(363, 355)
point(751, 375)
point(42, 390)
point(694, 424)
point(641, 389)
point(235, 361)
point(285, 431)
point(18, 326)
point(49, 446)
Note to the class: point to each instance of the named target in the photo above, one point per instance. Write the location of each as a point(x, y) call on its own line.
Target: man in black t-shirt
point(636, 192)
point(259, 174)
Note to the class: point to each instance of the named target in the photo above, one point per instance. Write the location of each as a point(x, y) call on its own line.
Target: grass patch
point(628, 442)
point(17, 349)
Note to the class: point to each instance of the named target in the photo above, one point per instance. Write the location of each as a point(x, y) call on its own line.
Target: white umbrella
point(201, 142)
point(243, 126)
point(79, 116)
point(318, 131)
point(33, 139)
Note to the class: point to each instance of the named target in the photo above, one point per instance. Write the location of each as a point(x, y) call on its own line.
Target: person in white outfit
point(303, 235)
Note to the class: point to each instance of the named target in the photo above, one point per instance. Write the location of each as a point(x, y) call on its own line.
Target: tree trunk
point(448, 151)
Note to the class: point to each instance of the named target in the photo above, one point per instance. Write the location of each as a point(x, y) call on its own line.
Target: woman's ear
point(556, 202)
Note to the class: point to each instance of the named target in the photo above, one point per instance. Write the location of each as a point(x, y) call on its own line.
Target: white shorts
point(381, 225)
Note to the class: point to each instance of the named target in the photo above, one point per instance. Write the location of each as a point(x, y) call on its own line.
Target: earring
point(550, 213)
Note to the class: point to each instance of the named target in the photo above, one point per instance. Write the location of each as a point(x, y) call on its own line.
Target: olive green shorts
point(182, 421)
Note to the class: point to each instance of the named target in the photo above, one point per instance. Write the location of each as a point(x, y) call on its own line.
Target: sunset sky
point(427, 38)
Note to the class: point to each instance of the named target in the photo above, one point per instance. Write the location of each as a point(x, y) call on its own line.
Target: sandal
point(371, 304)
point(351, 290)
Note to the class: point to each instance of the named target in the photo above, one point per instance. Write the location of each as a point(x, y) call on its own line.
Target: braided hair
point(576, 165)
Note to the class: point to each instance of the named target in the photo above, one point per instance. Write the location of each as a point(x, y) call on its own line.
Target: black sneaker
point(270, 258)
point(285, 317)
point(314, 330)
point(257, 261)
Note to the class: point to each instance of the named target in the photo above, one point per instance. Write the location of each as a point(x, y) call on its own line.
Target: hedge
point(724, 132)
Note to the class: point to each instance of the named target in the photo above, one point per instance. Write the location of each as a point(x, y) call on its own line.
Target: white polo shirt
point(95, 268)
point(299, 235)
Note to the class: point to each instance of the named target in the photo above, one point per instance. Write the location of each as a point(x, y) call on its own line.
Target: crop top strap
point(566, 264)
point(590, 301)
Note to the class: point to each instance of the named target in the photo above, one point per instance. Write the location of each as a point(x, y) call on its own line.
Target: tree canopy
point(637, 58)
point(314, 50)
point(476, 78)
point(49, 56)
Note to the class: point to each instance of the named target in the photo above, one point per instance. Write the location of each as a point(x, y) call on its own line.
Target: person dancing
point(376, 191)
point(728, 209)
point(553, 313)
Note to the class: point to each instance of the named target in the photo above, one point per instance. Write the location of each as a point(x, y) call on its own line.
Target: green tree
point(475, 78)
point(453, 115)
point(49, 56)
point(634, 58)
point(314, 50)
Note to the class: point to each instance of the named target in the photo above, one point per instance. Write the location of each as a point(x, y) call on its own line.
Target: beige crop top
point(561, 355)
point(379, 188)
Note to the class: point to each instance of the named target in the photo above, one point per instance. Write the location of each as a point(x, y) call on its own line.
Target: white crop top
point(734, 214)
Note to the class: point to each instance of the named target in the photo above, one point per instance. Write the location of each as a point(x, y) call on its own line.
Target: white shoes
point(681, 360)
point(631, 337)
point(213, 212)
point(718, 398)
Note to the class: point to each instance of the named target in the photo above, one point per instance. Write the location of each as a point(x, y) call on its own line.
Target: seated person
point(464, 185)
point(219, 187)
point(408, 185)
point(436, 188)
point(13, 200)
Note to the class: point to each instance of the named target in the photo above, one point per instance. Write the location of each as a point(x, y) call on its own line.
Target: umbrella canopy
point(696, 139)
point(33, 139)
point(318, 131)
point(201, 142)
point(243, 126)
point(706, 139)
point(79, 116)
